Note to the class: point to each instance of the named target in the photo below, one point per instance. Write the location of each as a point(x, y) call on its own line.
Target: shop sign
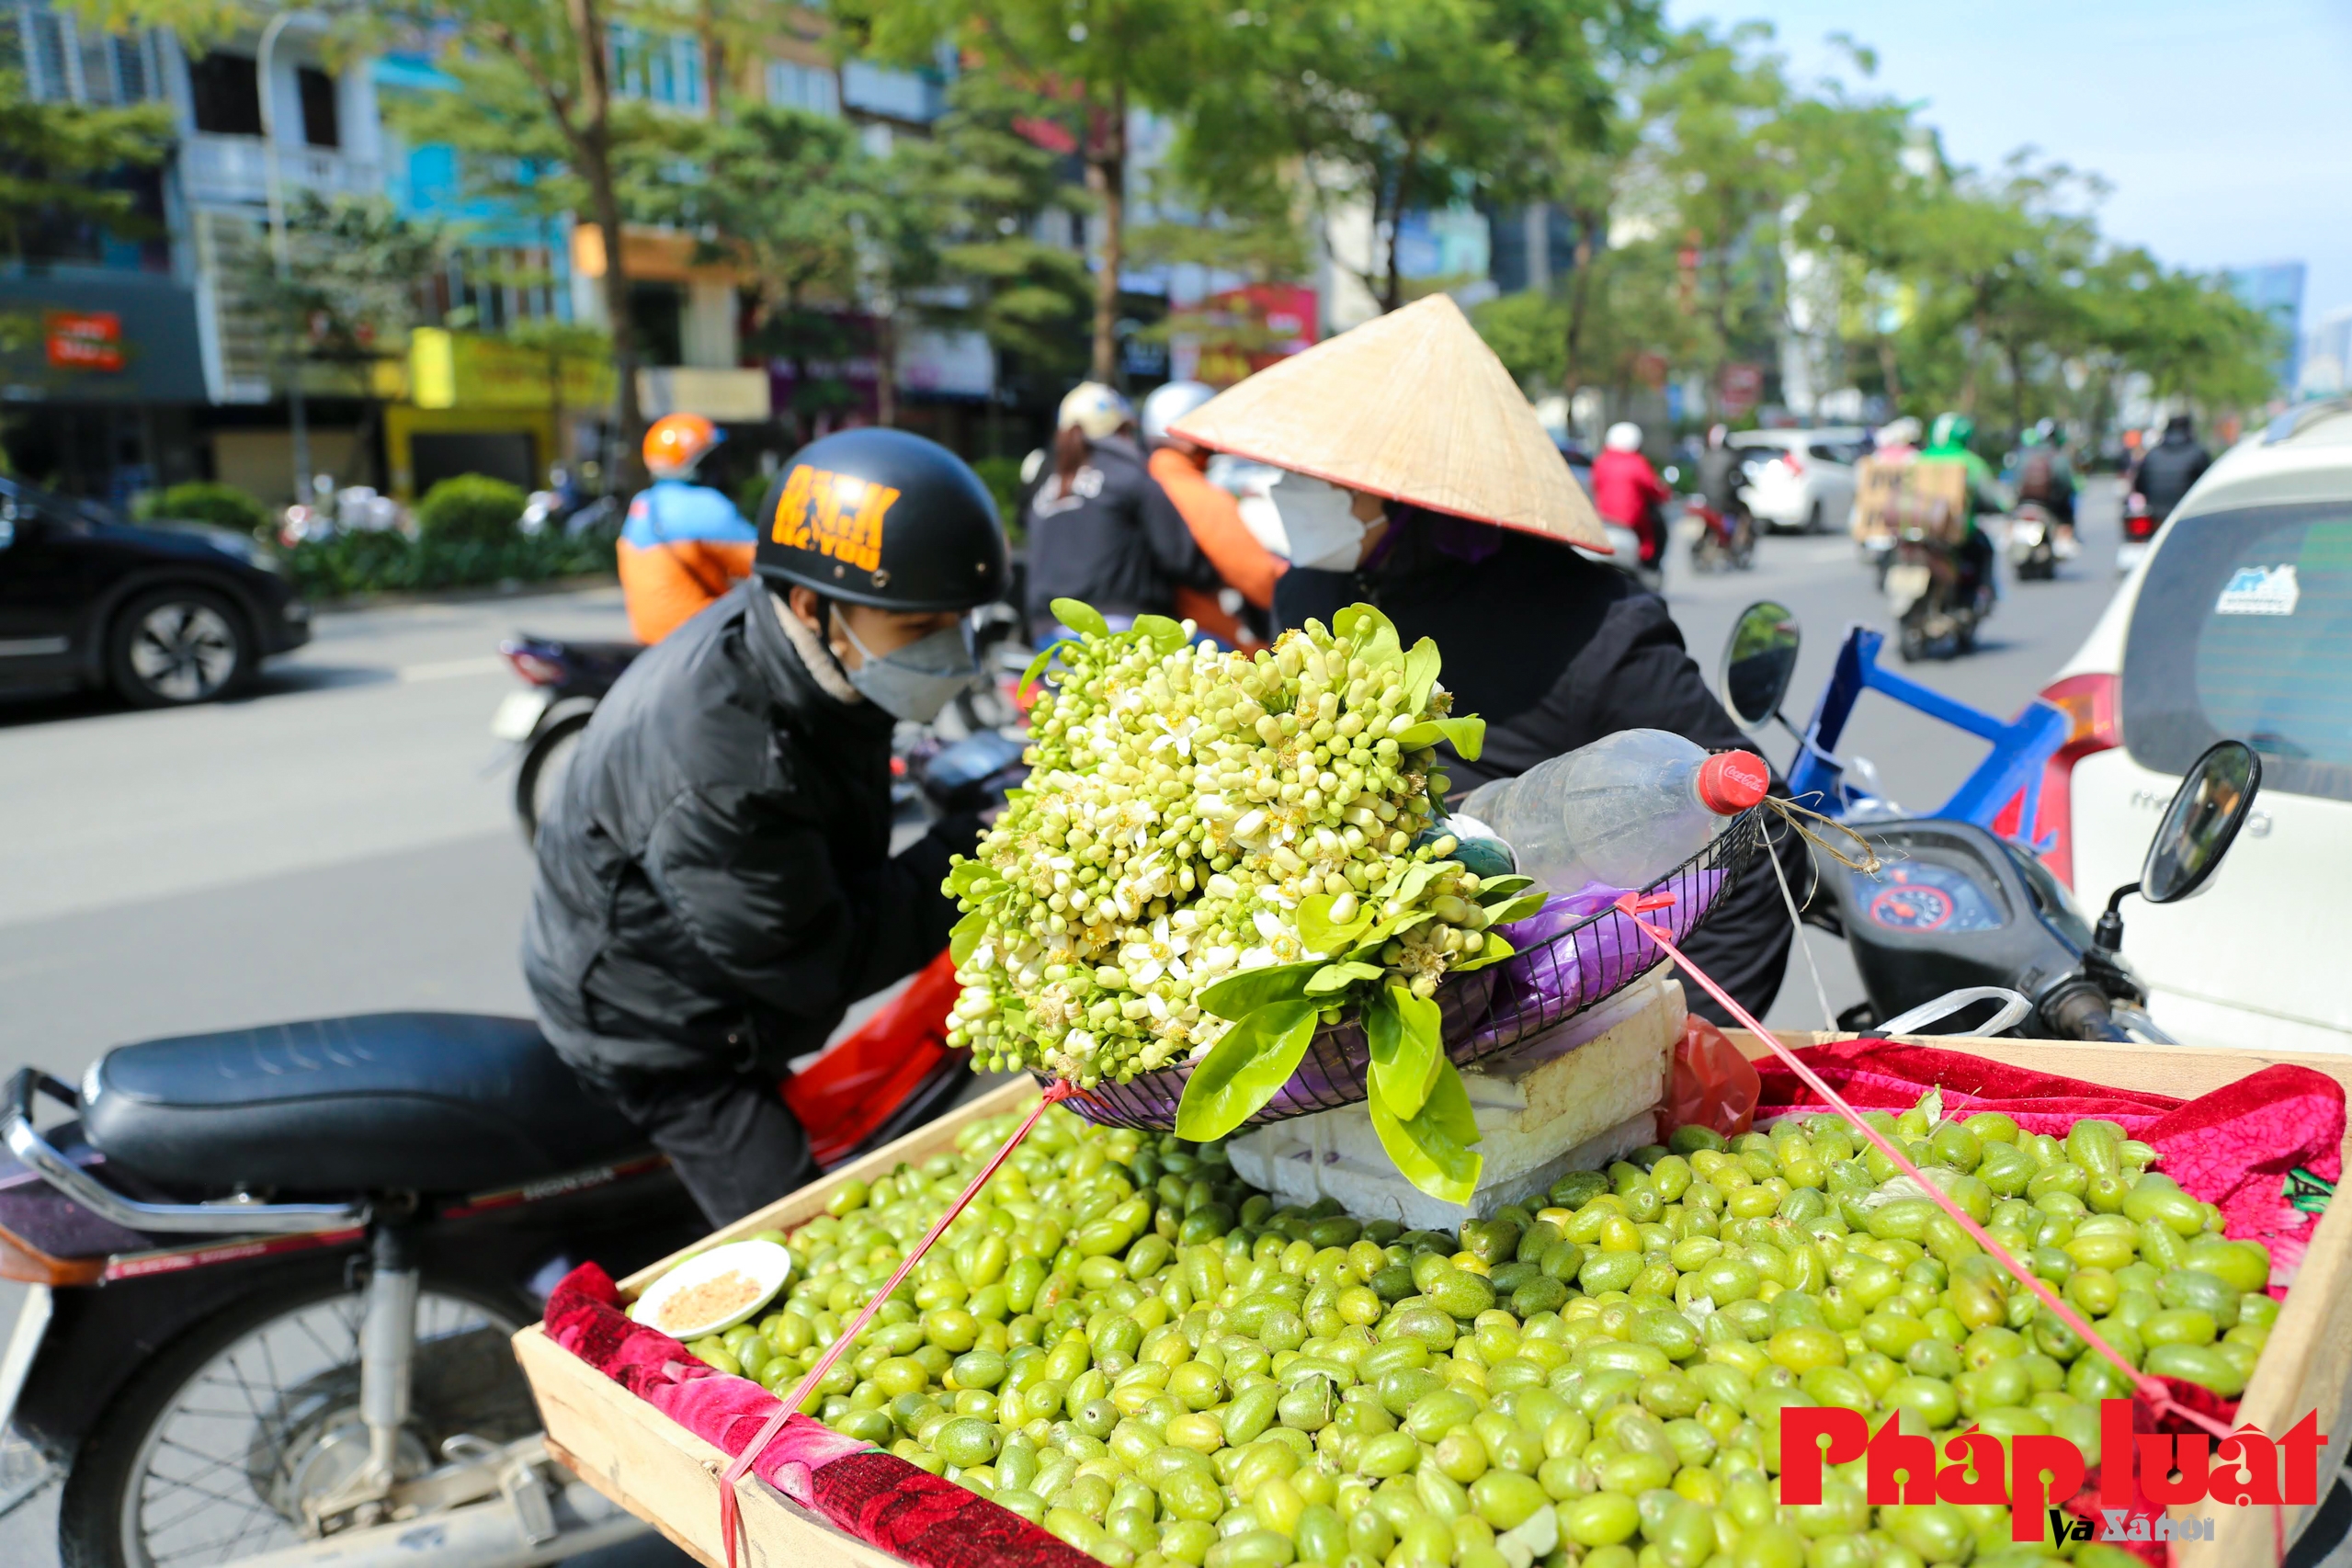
point(84, 340)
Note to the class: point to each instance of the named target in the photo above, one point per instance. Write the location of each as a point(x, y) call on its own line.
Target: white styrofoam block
point(1570, 1099)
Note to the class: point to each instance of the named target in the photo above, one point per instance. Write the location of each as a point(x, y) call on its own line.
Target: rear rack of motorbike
point(233, 1217)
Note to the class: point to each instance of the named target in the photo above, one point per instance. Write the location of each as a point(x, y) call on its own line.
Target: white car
point(2238, 624)
point(1801, 479)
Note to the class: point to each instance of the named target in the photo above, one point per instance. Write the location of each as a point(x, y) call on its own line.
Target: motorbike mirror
point(2203, 819)
point(1759, 661)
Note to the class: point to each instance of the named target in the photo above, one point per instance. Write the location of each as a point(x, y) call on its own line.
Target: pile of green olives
point(1124, 1343)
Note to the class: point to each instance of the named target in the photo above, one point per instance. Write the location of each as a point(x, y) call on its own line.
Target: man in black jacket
point(715, 884)
point(1100, 528)
point(2172, 466)
point(1555, 652)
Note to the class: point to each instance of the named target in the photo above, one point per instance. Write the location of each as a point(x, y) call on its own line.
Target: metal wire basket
point(1577, 952)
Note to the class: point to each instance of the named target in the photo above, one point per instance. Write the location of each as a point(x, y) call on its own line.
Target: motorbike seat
point(382, 1102)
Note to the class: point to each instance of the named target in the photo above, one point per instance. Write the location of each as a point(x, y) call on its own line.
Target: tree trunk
point(1392, 287)
point(1975, 359)
point(591, 140)
point(1889, 372)
point(1580, 294)
point(886, 367)
point(1107, 177)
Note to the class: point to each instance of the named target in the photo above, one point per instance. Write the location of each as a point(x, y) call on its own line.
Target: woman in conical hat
point(1464, 514)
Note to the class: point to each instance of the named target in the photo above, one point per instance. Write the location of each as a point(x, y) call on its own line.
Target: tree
point(1391, 105)
point(1088, 62)
point(55, 160)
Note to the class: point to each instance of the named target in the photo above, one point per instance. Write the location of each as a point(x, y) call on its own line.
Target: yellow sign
point(459, 369)
point(836, 515)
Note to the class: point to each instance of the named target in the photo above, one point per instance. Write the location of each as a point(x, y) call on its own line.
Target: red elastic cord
point(729, 1511)
point(2151, 1389)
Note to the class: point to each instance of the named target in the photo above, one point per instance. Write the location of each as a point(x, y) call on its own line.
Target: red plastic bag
point(853, 1088)
point(1714, 1085)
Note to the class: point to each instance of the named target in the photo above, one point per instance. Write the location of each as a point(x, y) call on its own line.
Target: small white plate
point(770, 1264)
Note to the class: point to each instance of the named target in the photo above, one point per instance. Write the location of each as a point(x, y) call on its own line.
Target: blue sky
point(2224, 126)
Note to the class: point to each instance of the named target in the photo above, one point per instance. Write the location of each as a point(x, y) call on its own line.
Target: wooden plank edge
point(795, 1208)
point(668, 1477)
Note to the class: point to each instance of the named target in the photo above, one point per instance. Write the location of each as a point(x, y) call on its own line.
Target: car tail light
point(2088, 701)
point(536, 668)
point(1795, 461)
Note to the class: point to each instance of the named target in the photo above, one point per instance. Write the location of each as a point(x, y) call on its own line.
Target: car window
point(2243, 631)
point(1825, 452)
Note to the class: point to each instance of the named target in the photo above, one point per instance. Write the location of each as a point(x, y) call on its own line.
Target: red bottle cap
point(1732, 781)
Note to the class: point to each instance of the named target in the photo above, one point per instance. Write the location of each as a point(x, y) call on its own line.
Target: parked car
point(166, 613)
point(2238, 624)
point(1801, 479)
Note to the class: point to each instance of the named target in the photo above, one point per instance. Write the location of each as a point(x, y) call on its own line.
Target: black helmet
point(878, 516)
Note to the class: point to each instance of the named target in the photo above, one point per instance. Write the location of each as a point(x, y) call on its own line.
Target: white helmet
point(1094, 408)
point(1171, 402)
point(1902, 432)
point(1623, 437)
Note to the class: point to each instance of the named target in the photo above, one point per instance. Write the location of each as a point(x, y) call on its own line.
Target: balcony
point(220, 169)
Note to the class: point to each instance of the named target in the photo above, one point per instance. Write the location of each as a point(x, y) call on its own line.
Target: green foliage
point(354, 564)
point(52, 159)
point(201, 501)
point(1003, 477)
point(471, 508)
point(355, 280)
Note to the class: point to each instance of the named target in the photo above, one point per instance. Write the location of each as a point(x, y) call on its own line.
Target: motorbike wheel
point(541, 774)
point(1911, 642)
point(210, 1451)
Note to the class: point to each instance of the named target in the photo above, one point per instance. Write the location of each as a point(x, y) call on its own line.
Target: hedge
point(201, 501)
point(379, 563)
point(471, 508)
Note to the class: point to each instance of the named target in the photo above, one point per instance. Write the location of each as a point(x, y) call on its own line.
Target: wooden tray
point(668, 1477)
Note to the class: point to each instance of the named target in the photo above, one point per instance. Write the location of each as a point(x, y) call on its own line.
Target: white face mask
point(1320, 522)
point(914, 682)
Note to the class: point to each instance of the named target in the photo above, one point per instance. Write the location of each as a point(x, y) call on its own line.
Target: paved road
point(341, 840)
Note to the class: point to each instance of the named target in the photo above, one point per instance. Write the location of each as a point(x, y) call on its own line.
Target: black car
point(164, 613)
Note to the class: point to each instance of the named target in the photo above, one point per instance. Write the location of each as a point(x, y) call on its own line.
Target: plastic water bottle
point(1623, 810)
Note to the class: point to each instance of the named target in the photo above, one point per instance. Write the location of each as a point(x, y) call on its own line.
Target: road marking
point(452, 669)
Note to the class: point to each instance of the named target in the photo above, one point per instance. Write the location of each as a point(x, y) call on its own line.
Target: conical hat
point(1413, 406)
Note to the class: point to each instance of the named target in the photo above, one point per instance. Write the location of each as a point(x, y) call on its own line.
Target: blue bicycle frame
point(2020, 746)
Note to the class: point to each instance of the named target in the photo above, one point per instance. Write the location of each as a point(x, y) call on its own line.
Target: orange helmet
point(676, 442)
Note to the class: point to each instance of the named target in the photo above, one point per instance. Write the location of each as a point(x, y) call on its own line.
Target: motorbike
point(1935, 595)
point(565, 680)
point(2032, 538)
point(1723, 544)
point(1962, 914)
point(274, 1272)
point(2002, 794)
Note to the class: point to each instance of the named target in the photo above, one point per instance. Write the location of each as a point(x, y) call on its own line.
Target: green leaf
point(1421, 667)
point(1239, 995)
point(1519, 908)
point(1491, 890)
point(1372, 635)
point(1165, 634)
point(1432, 1148)
point(1080, 617)
point(1495, 951)
point(1332, 977)
point(1243, 1069)
point(1037, 666)
point(1316, 930)
point(1467, 735)
point(966, 875)
point(1403, 1031)
point(966, 936)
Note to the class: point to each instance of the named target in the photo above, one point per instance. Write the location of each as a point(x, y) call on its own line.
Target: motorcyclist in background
point(2046, 477)
point(1721, 478)
point(2171, 467)
point(715, 882)
point(1249, 568)
point(1100, 528)
point(1948, 441)
point(682, 544)
point(1628, 492)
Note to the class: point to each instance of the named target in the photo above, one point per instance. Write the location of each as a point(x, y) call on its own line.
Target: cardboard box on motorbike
point(1892, 496)
point(664, 1473)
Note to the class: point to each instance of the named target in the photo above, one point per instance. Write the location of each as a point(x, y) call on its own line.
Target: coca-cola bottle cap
point(1732, 781)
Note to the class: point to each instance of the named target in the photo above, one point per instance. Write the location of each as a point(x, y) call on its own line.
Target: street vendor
point(715, 884)
point(1462, 515)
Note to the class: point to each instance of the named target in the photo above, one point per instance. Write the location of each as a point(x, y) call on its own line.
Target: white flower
point(1270, 925)
point(1178, 735)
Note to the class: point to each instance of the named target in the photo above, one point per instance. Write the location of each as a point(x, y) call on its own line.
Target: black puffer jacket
point(1554, 651)
point(2172, 466)
point(1115, 540)
point(715, 884)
